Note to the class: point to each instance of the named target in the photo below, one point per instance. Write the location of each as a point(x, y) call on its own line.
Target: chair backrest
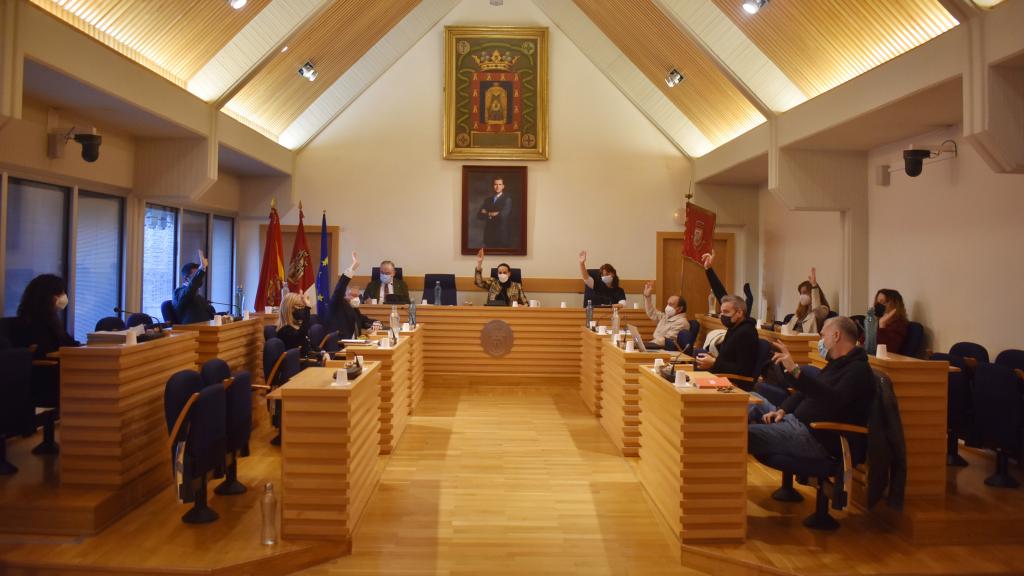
point(272, 350)
point(239, 413)
point(787, 318)
point(375, 273)
point(516, 273)
point(269, 331)
point(831, 314)
point(331, 344)
point(316, 334)
point(997, 406)
point(764, 357)
point(167, 311)
point(913, 344)
point(958, 394)
point(969, 350)
point(109, 324)
point(449, 294)
point(139, 319)
point(17, 413)
point(588, 292)
point(207, 431)
point(1011, 358)
point(179, 388)
point(684, 340)
point(695, 331)
point(214, 371)
point(292, 364)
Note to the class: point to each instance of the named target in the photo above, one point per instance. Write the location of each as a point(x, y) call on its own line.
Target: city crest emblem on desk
point(496, 338)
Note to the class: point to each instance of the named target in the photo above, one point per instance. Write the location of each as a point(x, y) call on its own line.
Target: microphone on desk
point(155, 325)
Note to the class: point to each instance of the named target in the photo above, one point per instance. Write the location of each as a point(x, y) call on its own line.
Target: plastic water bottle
point(437, 293)
point(870, 331)
point(395, 321)
point(590, 312)
point(615, 320)
point(711, 304)
point(412, 314)
point(268, 505)
point(239, 299)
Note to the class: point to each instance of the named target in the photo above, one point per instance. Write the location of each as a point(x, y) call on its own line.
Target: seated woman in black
point(41, 325)
point(606, 292)
point(293, 323)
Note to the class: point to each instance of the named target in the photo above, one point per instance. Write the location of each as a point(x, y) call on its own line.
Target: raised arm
point(583, 270)
point(653, 314)
point(344, 279)
point(716, 285)
point(478, 277)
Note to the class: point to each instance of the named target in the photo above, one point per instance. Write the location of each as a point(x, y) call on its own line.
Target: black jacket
point(296, 337)
point(737, 354)
point(604, 295)
point(887, 450)
point(342, 316)
point(46, 337)
point(842, 392)
point(189, 305)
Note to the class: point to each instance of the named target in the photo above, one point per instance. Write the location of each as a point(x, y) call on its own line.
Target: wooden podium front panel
point(590, 369)
point(112, 417)
point(240, 344)
point(329, 452)
point(415, 365)
point(395, 387)
point(620, 394)
point(693, 461)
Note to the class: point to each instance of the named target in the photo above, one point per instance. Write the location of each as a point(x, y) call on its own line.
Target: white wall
point(611, 183)
point(950, 242)
point(791, 243)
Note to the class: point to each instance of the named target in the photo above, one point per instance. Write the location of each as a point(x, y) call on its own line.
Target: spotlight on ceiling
point(237, 4)
point(307, 71)
point(752, 6)
point(674, 77)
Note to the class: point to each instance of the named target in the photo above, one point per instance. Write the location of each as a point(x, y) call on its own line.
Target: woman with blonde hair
point(293, 322)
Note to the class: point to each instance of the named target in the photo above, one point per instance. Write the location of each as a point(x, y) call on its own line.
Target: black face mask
point(879, 309)
point(726, 321)
point(302, 314)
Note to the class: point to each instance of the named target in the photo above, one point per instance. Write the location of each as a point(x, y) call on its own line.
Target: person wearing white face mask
point(387, 285)
point(40, 316)
point(671, 321)
point(502, 288)
point(607, 292)
point(343, 312)
point(812, 308)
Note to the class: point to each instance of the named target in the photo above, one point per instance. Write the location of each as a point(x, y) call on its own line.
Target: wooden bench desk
point(395, 386)
point(620, 394)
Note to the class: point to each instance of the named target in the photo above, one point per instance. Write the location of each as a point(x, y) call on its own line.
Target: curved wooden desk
point(240, 344)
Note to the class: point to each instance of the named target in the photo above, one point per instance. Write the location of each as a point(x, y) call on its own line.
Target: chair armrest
point(260, 387)
point(1019, 373)
point(228, 382)
point(277, 364)
point(736, 377)
point(55, 355)
point(323, 342)
point(839, 427)
point(970, 362)
point(45, 363)
point(181, 420)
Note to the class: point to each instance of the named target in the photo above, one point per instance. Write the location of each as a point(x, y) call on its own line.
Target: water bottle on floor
point(437, 293)
point(268, 506)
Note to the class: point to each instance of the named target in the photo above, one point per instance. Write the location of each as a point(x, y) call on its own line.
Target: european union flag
point(323, 275)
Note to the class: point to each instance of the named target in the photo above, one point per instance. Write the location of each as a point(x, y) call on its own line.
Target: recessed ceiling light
point(752, 6)
point(237, 4)
point(674, 77)
point(308, 71)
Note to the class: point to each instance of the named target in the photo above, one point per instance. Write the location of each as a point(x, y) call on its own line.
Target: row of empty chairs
point(29, 397)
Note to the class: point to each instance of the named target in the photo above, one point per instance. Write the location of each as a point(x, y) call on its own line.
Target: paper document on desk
point(717, 382)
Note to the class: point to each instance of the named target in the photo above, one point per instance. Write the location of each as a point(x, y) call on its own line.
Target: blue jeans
point(789, 436)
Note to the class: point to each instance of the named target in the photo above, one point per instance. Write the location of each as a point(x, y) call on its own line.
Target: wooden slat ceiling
point(276, 96)
point(655, 45)
point(820, 44)
point(174, 38)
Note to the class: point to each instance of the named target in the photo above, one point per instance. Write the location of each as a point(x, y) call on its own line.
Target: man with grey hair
point(842, 392)
point(737, 354)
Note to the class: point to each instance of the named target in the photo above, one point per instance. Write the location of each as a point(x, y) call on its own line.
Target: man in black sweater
point(737, 354)
point(343, 312)
point(189, 305)
point(842, 392)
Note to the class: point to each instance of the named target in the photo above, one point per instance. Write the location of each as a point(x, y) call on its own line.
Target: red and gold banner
point(268, 293)
point(300, 267)
point(699, 236)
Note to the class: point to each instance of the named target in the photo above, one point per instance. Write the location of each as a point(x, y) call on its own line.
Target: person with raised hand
point(502, 288)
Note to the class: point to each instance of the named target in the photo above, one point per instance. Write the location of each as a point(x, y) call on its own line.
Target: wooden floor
point(514, 480)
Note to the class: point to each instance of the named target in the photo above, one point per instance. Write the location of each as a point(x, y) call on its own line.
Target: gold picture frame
point(496, 93)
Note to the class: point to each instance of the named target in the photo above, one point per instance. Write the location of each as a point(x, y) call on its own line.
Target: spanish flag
point(268, 293)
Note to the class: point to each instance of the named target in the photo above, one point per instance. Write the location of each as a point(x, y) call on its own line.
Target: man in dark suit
point(189, 305)
point(344, 315)
point(495, 212)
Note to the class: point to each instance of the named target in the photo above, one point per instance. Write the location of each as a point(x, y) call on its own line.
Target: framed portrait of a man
point(495, 93)
point(494, 209)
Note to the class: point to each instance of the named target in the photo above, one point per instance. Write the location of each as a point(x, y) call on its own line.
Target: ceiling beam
point(256, 68)
point(962, 10)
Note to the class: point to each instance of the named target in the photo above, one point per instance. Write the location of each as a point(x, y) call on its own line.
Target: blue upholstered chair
point(997, 408)
point(196, 425)
point(449, 294)
point(167, 311)
point(269, 331)
point(17, 415)
point(139, 319)
point(316, 336)
point(109, 324)
point(273, 356)
point(913, 344)
point(238, 419)
point(330, 344)
point(515, 273)
point(1011, 358)
point(971, 352)
point(959, 407)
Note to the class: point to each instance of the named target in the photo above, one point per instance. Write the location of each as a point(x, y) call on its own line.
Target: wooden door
point(677, 274)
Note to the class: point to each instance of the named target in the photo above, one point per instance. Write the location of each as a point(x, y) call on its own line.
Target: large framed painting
point(494, 209)
point(496, 93)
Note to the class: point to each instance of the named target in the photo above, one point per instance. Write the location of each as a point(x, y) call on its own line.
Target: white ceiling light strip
point(276, 22)
point(626, 76)
point(365, 72)
point(719, 36)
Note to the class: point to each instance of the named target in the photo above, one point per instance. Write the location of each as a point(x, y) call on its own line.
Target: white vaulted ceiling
point(740, 69)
